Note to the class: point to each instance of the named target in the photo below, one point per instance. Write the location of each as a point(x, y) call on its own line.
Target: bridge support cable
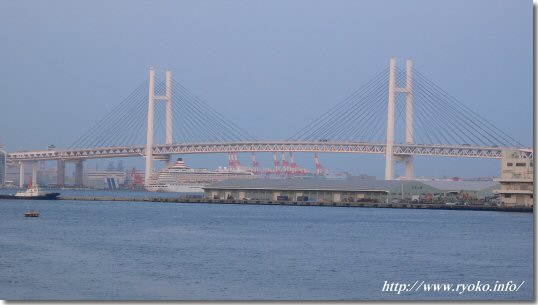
point(358, 118)
point(453, 127)
point(210, 125)
point(438, 123)
point(338, 126)
point(115, 131)
point(348, 116)
point(345, 127)
point(124, 131)
point(195, 121)
point(423, 124)
point(98, 134)
point(443, 124)
point(468, 127)
point(323, 123)
point(491, 134)
point(440, 119)
point(375, 121)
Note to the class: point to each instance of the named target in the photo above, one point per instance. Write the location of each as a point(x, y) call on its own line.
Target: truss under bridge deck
point(251, 146)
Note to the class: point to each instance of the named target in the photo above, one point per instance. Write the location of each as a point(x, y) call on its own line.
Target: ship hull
point(49, 196)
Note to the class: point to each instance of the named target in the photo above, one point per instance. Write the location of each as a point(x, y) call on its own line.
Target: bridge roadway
point(279, 146)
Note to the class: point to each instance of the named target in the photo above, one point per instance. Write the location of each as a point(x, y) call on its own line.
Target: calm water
point(105, 193)
point(170, 251)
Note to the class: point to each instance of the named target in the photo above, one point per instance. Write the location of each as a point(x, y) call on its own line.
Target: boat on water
point(181, 178)
point(33, 193)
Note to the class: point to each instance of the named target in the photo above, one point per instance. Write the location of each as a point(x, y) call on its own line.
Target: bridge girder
point(327, 147)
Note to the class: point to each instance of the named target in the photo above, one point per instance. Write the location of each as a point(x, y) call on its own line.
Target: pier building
point(517, 180)
point(335, 191)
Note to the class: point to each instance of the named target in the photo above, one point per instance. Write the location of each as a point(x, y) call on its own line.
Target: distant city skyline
point(270, 67)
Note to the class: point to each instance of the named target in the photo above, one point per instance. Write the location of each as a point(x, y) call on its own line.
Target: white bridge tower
point(151, 122)
point(409, 134)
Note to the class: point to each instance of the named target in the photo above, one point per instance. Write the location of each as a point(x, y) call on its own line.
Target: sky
point(269, 66)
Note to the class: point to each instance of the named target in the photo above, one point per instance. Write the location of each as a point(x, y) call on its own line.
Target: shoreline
point(431, 206)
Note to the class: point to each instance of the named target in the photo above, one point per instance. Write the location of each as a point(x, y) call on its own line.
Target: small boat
point(31, 214)
point(33, 193)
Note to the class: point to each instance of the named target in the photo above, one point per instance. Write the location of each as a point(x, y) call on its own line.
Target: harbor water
point(78, 250)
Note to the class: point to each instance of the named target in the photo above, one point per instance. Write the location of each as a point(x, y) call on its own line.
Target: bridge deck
point(327, 147)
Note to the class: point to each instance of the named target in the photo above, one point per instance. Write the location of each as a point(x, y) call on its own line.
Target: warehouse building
point(464, 189)
point(339, 190)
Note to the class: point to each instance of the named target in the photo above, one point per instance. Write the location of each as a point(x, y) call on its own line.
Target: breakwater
point(404, 205)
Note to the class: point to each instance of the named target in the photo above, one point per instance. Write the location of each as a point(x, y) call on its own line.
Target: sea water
point(79, 250)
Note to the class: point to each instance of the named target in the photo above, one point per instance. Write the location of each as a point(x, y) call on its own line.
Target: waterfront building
point(105, 180)
point(517, 180)
point(463, 188)
point(345, 190)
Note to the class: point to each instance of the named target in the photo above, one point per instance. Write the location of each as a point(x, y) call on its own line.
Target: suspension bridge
point(398, 113)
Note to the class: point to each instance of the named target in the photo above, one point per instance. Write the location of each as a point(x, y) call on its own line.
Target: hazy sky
point(270, 66)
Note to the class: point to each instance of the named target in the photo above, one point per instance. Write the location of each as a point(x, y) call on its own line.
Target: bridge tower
point(151, 118)
point(409, 134)
point(21, 174)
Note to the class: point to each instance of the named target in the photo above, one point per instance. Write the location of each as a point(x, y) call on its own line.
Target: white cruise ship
point(180, 178)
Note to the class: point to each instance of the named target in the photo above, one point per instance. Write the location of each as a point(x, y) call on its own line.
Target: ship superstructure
point(183, 179)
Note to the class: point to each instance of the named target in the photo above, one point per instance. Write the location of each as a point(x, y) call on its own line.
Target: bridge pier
point(21, 174)
point(60, 173)
point(79, 170)
point(409, 168)
point(34, 173)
